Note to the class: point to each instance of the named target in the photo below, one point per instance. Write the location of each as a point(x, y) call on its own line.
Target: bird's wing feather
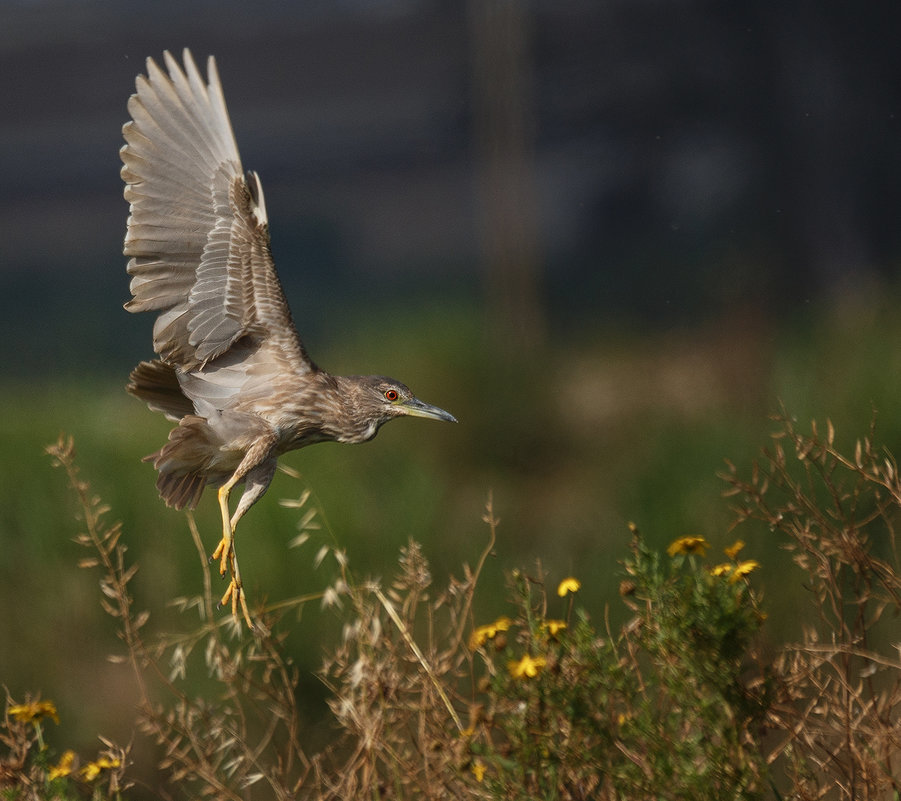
point(198, 235)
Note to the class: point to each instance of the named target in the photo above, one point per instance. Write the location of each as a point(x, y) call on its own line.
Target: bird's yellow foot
point(228, 563)
point(235, 594)
point(225, 553)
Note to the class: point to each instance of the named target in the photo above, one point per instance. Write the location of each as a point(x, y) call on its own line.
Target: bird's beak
point(416, 408)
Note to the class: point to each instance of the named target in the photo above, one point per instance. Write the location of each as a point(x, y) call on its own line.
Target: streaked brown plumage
point(232, 370)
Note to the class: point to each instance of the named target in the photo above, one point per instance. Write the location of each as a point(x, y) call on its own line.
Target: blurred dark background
point(610, 236)
point(664, 160)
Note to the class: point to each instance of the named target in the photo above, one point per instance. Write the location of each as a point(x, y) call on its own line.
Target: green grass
point(573, 442)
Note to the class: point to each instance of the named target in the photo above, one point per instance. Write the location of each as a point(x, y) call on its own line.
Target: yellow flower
point(93, 769)
point(568, 585)
point(63, 768)
point(478, 770)
point(743, 568)
point(688, 545)
point(734, 549)
point(489, 631)
point(554, 627)
point(34, 711)
point(722, 570)
point(90, 771)
point(527, 668)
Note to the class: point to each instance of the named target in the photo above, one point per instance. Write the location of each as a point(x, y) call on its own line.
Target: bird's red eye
point(391, 394)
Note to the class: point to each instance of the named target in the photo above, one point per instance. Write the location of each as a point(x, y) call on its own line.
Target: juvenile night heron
point(232, 370)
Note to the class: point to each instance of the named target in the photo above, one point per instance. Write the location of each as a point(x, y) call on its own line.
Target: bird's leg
point(228, 560)
point(258, 469)
point(257, 483)
point(225, 550)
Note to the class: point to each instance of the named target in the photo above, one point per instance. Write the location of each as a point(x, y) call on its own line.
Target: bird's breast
point(317, 411)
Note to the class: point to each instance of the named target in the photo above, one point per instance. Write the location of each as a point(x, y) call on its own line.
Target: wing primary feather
point(198, 230)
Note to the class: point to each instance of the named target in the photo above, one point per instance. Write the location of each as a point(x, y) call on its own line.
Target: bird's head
point(377, 399)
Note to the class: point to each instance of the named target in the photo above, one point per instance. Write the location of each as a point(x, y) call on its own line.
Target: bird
point(232, 370)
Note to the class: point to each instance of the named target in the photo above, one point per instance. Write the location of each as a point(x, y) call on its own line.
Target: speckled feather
point(232, 370)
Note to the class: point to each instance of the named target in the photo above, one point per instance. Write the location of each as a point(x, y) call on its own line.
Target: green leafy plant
point(659, 709)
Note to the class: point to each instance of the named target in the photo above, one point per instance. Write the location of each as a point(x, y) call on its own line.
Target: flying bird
point(232, 370)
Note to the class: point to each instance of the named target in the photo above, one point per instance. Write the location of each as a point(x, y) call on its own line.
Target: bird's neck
point(325, 410)
point(354, 423)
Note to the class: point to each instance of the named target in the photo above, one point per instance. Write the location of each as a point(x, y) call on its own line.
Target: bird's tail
point(157, 385)
point(184, 461)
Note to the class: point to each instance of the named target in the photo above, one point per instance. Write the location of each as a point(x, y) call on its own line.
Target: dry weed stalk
point(395, 678)
point(840, 728)
point(673, 706)
point(396, 681)
point(216, 748)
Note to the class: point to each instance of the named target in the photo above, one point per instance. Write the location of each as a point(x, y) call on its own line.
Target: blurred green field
point(602, 427)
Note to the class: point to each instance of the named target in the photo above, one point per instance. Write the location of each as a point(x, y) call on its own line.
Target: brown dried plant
point(394, 678)
point(677, 704)
point(838, 727)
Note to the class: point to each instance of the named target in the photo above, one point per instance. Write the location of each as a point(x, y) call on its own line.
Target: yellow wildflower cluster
point(528, 667)
point(734, 570)
point(698, 545)
point(34, 712)
point(87, 772)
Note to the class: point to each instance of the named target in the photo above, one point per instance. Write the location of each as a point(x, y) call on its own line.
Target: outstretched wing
point(198, 236)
